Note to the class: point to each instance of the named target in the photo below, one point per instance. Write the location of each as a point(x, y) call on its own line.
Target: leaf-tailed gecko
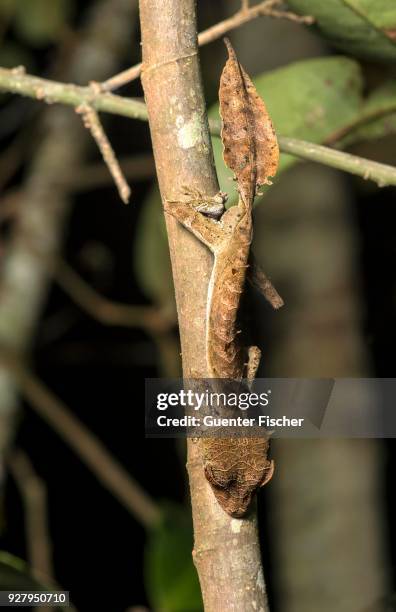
point(235, 467)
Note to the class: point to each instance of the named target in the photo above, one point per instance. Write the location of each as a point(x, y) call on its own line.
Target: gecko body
point(229, 240)
point(234, 467)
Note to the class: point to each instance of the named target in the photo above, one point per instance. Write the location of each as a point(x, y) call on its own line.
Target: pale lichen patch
point(190, 133)
point(236, 525)
point(260, 581)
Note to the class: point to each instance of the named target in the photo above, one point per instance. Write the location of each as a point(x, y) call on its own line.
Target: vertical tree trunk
point(226, 551)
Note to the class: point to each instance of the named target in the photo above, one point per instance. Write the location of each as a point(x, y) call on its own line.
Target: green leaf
point(365, 28)
point(151, 254)
point(40, 22)
point(15, 576)
point(7, 7)
point(170, 575)
point(310, 100)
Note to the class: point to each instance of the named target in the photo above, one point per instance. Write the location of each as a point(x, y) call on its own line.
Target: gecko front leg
point(206, 229)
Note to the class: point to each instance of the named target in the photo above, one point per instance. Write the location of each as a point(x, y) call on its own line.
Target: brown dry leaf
point(251, 148)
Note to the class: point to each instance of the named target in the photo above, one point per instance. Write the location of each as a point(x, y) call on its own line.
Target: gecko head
point(233, 495)
point(234, 489)
point(214, 206)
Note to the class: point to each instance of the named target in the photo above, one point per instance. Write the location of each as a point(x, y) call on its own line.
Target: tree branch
point(16, 81)
point(226, 551)
point(244, 15)
point(382, 174)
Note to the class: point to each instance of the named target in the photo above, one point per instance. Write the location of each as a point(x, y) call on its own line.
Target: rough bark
point(226, 551)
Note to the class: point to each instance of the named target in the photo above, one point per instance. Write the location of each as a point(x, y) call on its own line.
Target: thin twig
point(87, 447)
point(122, 78)
point(366, 117)
point(382, 174)
point(17, 81)
point(34, 494)
point(93, 124)
point(244, 15)
point(263, 9)
point(149, 318)
point(156, 322)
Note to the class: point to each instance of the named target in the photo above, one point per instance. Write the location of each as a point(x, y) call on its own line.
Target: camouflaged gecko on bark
point(235, 467)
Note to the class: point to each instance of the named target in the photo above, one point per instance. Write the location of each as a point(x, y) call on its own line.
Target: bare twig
point(382, 174)
point(88, 448)
point(93, 124)
point(34, 495)
point(50, 91)
point(17, 81)
point(263, 9)
point(365, 117)
point(122, 78)
point(244, 15)
point(149, 318)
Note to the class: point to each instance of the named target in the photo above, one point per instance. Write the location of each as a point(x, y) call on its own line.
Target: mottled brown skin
point(226, 356)
point(229, 239)
point(235, 467)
